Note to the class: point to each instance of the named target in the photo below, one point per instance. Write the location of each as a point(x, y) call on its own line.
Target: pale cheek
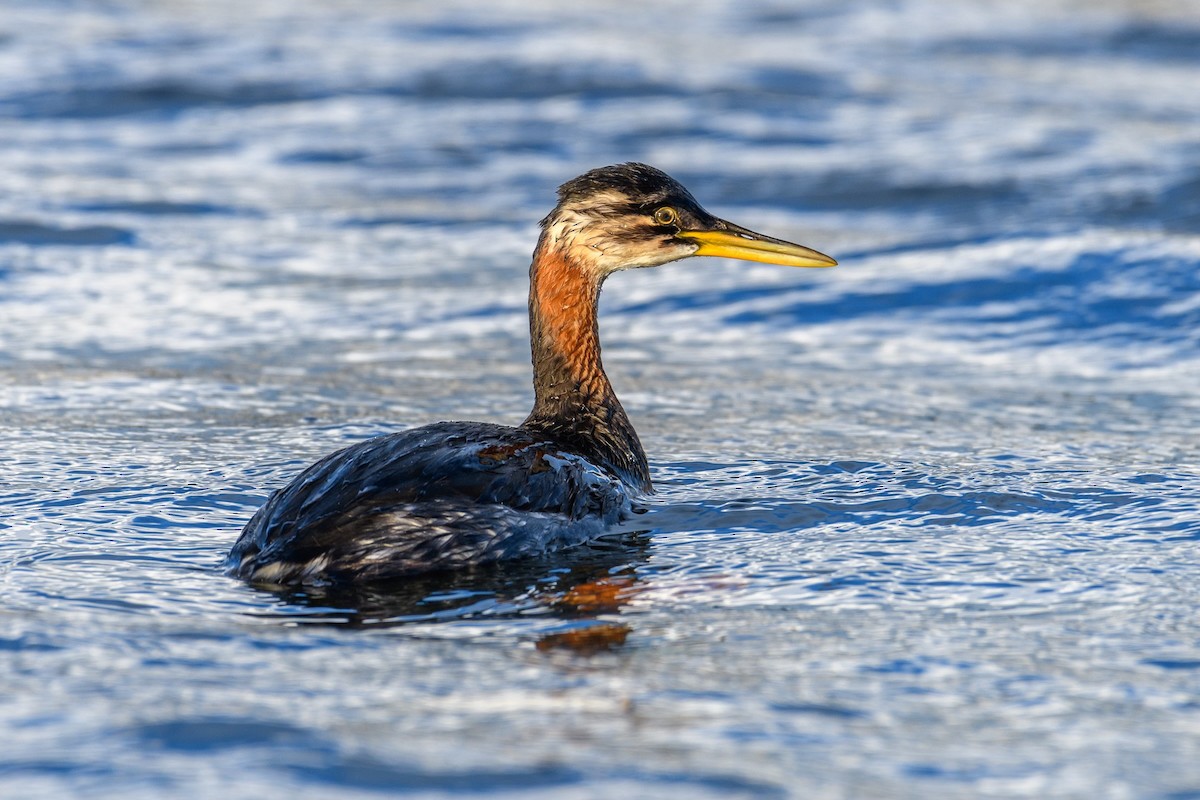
point(574, 236)
point(647, 256)
point(565, 230)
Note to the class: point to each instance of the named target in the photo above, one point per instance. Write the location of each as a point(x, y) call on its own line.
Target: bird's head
point(633, 215)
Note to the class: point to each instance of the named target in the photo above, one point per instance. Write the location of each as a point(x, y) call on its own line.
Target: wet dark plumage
point(456, 494)
point(449, 494)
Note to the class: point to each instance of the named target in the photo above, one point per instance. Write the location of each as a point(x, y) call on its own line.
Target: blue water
point(927, 524)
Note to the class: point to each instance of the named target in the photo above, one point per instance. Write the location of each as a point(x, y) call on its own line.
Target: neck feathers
point(573, 399)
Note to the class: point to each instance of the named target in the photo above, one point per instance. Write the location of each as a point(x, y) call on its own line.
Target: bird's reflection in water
point(576, 586)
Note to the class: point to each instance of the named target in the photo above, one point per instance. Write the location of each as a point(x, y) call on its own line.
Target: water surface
point(926, 524)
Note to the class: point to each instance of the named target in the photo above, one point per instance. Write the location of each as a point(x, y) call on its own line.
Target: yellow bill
point(737, 242)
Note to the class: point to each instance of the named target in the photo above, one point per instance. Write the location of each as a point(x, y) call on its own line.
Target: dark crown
point(641, 183)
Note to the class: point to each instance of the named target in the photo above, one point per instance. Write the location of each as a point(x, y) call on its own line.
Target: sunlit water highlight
point(926, 524)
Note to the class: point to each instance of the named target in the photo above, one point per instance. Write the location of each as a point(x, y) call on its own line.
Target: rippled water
point(927, 523)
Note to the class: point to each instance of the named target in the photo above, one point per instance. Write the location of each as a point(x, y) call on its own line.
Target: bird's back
point(442, 496)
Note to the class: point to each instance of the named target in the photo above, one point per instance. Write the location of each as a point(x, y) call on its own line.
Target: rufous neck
point(573, 398)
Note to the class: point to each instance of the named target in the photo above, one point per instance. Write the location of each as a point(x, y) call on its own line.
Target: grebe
point(456, 494)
